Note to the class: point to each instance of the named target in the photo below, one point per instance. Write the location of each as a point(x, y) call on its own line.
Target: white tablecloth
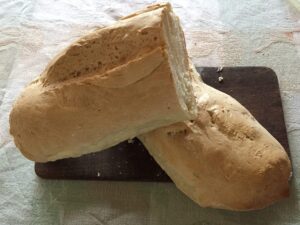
point(218, 33)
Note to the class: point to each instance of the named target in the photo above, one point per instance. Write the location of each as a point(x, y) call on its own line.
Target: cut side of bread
point(224, 158)
point(111, 85)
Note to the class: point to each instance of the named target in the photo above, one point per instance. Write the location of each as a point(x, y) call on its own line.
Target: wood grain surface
point(254, 87)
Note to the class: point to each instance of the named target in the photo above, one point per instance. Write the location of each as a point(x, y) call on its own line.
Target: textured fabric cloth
point(218, 33)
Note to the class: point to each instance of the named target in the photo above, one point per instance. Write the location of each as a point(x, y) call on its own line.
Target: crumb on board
point(220, 79)
point(130, 141)
point(220, 69)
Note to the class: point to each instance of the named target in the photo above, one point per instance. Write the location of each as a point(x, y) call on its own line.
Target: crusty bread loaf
point(109, 86)
point(224, 158)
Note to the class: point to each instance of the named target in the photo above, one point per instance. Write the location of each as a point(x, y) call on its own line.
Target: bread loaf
point(224, 158)
point(109, 86)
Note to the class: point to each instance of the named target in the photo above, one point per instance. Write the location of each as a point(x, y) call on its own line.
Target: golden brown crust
point(224, 158)
point(110, 85)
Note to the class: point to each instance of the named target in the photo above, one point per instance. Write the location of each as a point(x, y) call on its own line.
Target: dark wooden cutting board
point(255, 87)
